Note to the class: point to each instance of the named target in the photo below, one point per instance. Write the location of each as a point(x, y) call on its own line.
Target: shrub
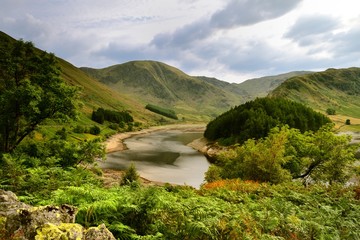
point(131, 176)
point(331, 111)
point(95, 130)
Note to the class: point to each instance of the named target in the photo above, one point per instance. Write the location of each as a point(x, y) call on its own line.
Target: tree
point(347, 122)
point(130, 175)
point(31, 91)
point(287, 153)
point(331, 111)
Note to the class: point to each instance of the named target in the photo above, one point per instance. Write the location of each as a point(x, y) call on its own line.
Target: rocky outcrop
point(209, 149)
point(21, 221)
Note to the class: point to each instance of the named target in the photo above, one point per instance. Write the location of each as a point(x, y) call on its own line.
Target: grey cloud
point(247, 12)
point(236, 13)
point(348, 43)
point(183, 37)
point(27, 27)
point(310, 28)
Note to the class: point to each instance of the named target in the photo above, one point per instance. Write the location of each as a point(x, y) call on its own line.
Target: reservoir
point(162, 156)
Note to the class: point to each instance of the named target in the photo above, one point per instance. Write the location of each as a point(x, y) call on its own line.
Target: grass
point(337, 89)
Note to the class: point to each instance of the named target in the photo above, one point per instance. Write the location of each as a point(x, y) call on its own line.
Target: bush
point(331, 111)
point(131, 176)
point(79, 129)
point(347, 122)
point(95, 130)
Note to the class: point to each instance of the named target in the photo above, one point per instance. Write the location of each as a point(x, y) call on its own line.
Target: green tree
point(321, 155)
point(31, 91)
point(347, 122)
point(130, 175)
point(289, 154)
point(331, 111)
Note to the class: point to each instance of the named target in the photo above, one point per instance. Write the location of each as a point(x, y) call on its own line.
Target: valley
point(279, 167)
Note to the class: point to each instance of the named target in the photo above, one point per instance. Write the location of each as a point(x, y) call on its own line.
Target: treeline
point(101, 115)
point(254, 119)
point(162, 111)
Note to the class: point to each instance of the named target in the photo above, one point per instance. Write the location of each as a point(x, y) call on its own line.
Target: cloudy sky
point(232, 40)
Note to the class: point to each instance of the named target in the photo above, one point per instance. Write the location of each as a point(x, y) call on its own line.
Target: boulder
point(22, 222)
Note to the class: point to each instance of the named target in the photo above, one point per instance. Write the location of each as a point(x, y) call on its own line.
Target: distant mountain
point(260, 87)
point(334, 88)
point(152, 82)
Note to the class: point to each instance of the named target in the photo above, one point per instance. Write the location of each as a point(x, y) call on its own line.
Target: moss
point(2, 227)
point(64, 231)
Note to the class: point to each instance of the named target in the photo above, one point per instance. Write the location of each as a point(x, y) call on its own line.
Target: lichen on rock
point(22, 222)
point(64, 231)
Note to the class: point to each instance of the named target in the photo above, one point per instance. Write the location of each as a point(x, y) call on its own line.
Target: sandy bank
point(115, 143)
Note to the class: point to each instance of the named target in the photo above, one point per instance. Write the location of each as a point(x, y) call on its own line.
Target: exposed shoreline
point(116, 142)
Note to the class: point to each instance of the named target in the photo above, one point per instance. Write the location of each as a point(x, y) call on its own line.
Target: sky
point(232, 40)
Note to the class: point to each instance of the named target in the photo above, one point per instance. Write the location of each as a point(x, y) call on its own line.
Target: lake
point(162, 156)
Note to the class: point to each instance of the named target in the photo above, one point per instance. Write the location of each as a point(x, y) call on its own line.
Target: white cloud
point(231, 40)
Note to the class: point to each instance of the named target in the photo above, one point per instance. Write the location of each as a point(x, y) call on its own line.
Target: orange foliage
point(234, 184)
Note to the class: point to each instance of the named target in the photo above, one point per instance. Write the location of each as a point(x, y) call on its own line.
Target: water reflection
point(162, 156)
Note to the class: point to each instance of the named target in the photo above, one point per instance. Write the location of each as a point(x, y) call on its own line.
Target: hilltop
point(260, 87)
point(151, 82)
point(338, 89)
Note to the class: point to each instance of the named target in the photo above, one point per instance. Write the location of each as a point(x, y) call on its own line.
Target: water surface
point(162, 156)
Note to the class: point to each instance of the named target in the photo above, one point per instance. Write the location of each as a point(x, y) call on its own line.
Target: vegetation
point(30, 93)
point(194, 98)
point(226, 209)
point(260, 87)
point(288, 154)
point(266, 204)
point(337, 89)
point(131, 176)
point(331, 111)
point(254, 119)
point(162, 111)
point(101, 115)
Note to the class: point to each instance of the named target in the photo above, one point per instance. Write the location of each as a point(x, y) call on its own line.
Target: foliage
point(61, 153)
point(31, 91)
point(95, 130)
point(331, 89)
point(347, 122)
point(229, 209)
point(130, 176)
point(331, 111)
point(38, 181)
point(254, 119)
point(288, 154)
point(101, 115)
point(162, 111)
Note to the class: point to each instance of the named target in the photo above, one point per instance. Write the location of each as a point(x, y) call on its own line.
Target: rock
point(99, 233)
point(21, 221)
point(69, 231)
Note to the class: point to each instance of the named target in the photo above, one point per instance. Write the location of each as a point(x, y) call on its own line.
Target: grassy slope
point(153, 82)
point(334, 88)
point(260, 87)
point(93, 94)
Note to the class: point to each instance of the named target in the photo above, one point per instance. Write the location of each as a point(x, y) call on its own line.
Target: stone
point(24, 222)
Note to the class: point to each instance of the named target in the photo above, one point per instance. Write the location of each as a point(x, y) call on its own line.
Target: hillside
point(93, 95)
point(338, 89)
point(195, 98)
point(260, 87)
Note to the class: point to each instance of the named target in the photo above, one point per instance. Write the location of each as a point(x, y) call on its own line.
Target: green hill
point(150, 82)
point(260, 87)
point(93, 95)
point(338, 89)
